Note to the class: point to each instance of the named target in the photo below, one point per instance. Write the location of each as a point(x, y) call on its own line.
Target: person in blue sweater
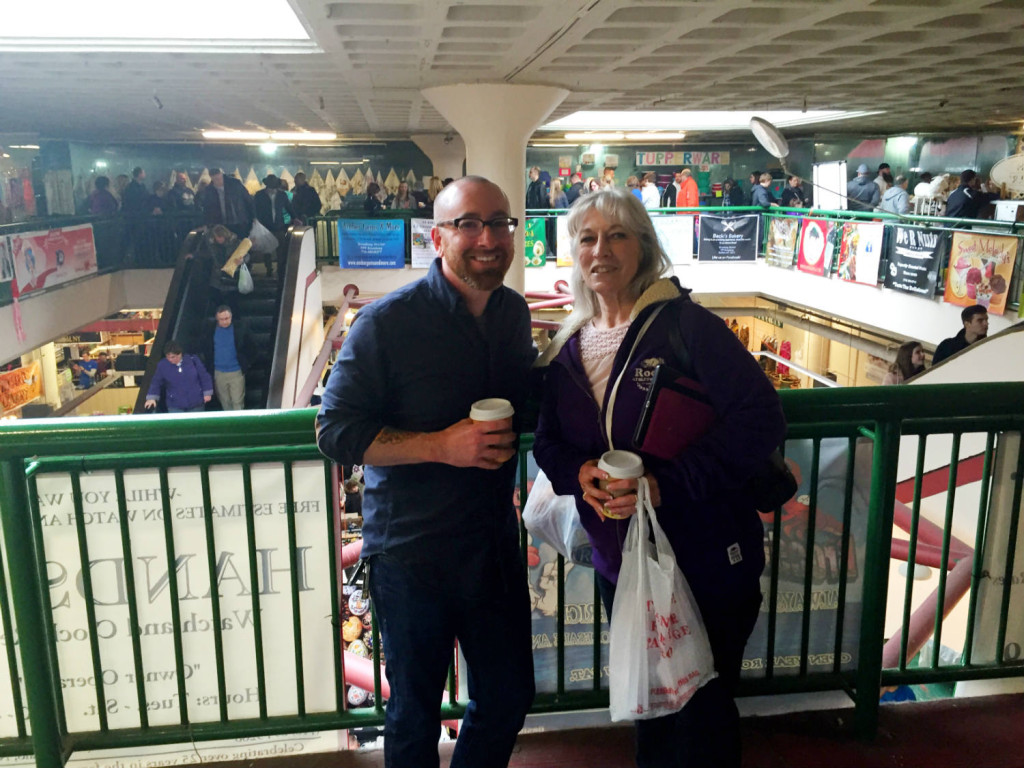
point(181, 380)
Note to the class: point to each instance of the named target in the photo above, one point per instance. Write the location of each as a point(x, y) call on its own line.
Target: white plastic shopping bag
point(263, 240)
point(658, 646)
point(553, 519)
point(245, 283)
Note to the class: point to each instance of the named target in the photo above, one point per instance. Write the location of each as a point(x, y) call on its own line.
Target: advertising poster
point(914, 259)
point(676, 234)
point(564, 252)
point(280, 591)
point(420, 244)
point(817, 246)
point(6, 262)
point(535, 242)
point(860, 252)
point(980, 267)
point(782, 237)
point(728, 239)
point(20, 386)
point(371, 243)
point(45, 259)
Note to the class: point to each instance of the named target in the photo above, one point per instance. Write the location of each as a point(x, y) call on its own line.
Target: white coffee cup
point(620, 465)
point(491, 409)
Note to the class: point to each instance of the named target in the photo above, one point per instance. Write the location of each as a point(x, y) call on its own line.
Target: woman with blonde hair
point(434, 189)
point(558, 198)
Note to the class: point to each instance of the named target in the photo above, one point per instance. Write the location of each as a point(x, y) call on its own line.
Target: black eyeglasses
point(474, 227)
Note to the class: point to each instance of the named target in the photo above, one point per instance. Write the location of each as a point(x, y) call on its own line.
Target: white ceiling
point(932, 65)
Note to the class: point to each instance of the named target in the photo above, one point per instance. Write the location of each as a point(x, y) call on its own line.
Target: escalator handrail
point(289, 276)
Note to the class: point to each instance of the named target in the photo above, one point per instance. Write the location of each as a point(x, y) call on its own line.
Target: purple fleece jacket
point(702, 512)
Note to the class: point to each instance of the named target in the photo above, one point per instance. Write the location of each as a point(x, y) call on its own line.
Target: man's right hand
point(483, 444)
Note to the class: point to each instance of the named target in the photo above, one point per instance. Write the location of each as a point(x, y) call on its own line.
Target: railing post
point(876, 576)
point(28, 590)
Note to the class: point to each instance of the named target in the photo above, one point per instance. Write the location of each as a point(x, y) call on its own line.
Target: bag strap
point(615, 387)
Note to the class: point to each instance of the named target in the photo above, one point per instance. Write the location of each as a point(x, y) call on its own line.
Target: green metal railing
point(175, 516)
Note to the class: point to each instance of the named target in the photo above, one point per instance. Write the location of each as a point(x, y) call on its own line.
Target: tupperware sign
point(681, 158)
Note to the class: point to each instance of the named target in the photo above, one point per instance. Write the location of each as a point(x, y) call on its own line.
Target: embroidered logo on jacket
point(643, 374)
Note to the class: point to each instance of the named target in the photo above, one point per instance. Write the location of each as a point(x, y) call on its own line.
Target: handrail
point(333, 334)
point(884, 414)
point(288, 276)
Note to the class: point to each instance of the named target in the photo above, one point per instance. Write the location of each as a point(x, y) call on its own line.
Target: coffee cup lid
point(622, 465)
point(491, 409)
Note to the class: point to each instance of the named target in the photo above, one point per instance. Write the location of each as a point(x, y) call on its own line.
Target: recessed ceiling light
point(236, 135)
point(648, 120)
point(302, 136)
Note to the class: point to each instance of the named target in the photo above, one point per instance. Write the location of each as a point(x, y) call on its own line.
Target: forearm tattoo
point(389, 436)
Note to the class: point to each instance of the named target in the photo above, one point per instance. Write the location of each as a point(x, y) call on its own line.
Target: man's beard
point(490, 278)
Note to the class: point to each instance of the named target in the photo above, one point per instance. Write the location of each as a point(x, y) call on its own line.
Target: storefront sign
point(676, 234)
point(421, 246)
point(782, 237)
point(20, 386)
point(1010, 172)
point(980, 267)
point(733, 238)
point(914, 258)
point(861, 252)
point(371, 243)
point(44, 259)
point(535, 242)
point(679, 159)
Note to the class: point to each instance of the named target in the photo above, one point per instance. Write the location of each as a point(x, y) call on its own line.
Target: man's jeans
point(230, 387)
point(422, 608)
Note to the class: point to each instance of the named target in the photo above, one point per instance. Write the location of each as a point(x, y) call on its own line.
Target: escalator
point(189, 310)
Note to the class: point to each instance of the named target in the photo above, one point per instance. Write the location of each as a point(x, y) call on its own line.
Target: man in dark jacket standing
point(975, 320)
point(966, 200)
point(180, 197)
point(862, 193)
point(135, 198)
point(305, 200)
point(226, 201)
point(536, 194)
point(668, 197)
point(271, 205)
point(576, 189)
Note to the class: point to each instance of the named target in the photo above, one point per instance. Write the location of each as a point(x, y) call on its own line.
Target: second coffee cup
point(620, 465)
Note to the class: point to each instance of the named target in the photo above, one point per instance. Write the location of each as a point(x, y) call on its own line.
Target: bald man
point(439, 528)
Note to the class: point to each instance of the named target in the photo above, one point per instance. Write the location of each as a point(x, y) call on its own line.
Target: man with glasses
point(439, 528)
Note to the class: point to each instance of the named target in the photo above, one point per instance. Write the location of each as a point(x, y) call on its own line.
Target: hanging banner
point(420, 244)
point(733, 238)
point(914, 258)
point(564, 244)
point(260, 592)
point(676, 234)
point(535, 242)
point(861, 252)
point(679, 159)
point(980, 267)
point(817, 246)
point(371, 243)
point(782, 237)
point(6, 261)
point(44, 259)
point(20, 386)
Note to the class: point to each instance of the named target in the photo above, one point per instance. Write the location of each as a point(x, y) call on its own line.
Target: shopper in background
point(575, 188)
point(688, 195)
point(965, 201)
point(101, 201)
point(305, 200)
point(895, 199)
point(862, 194)
point(372, 204)
point(135, 199)
point(649, 194)
point(732, 195)
point(884, 178)
point(179, 196)
point(181, 380)
point(975, 320)
point(402, 200)
point(633, 185)
point(909, 362)
point(617, 279)
point(668, 196)
point(272, 205)
point(754, 179)
point(762, 195)
point(558, 199)
point(225, 200)
point(793, 195)
point(440, 534)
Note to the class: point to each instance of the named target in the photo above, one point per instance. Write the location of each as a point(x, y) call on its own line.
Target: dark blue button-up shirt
point(416, 360)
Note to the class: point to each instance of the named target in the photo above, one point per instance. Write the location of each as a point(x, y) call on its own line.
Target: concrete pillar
point(496, 120)
point(447, 153)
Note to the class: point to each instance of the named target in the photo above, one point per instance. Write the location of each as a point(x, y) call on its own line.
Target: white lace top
point(597, 353)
